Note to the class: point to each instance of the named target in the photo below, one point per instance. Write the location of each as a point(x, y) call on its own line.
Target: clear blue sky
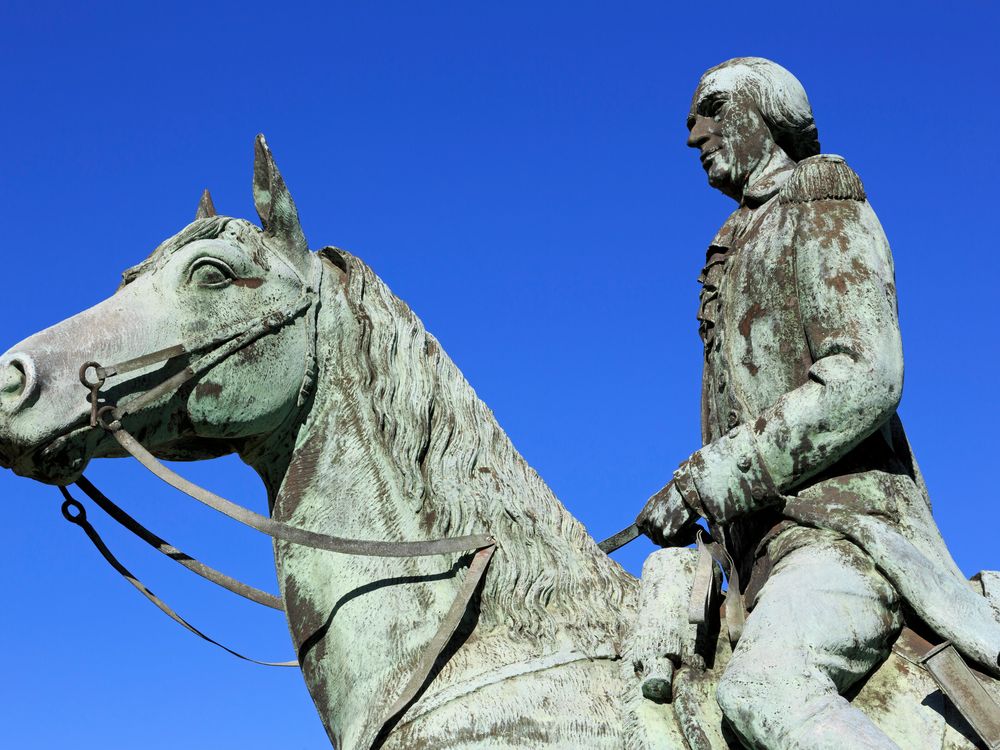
point(517, 173)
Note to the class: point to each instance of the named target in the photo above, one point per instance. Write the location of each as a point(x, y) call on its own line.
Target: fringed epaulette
point(822, 177)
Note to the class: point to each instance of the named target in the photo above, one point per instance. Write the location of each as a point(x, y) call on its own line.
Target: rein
point(213, 351)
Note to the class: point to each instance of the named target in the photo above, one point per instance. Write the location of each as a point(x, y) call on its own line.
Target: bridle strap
point(704, 586)
point(286, 532)
point(434, 649)
point(216, 350)
point(76, 514)
point(195, 566)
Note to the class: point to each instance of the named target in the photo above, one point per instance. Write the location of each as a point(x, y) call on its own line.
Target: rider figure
point(806, 477)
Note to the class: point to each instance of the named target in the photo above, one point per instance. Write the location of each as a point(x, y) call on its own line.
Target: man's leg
point(822, 621)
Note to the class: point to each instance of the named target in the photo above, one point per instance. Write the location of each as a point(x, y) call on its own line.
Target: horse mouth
point(59, 461)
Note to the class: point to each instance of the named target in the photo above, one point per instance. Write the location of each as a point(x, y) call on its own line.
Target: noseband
point(207, 354)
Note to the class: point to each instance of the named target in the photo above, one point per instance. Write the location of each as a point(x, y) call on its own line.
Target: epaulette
point(822, 177)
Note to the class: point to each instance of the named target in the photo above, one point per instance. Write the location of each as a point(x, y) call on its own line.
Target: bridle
point(207, 354)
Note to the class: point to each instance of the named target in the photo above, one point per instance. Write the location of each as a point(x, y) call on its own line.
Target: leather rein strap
point(76, 514)
point(195, 566)
point(213, 351)
point(294, 534)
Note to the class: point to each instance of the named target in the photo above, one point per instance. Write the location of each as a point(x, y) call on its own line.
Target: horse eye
point(211, 273)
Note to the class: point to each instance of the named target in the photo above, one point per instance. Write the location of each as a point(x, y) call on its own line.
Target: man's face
point(729, 131)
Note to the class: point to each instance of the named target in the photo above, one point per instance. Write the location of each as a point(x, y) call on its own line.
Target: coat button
point(732, 419)
point(744, 463)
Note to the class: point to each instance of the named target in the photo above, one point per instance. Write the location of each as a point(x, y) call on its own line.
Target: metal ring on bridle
point(111, 425)
point(79, 514)
point(97, 372)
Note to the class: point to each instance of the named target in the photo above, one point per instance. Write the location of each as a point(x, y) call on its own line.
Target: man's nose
point(699, 132)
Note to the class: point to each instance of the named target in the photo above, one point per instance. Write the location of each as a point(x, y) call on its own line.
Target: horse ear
point(274, 203)
point(205, 206)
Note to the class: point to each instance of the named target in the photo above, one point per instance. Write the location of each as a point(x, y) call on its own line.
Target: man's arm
point(847, 298)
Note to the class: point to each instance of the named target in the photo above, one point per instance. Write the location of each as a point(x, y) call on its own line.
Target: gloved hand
point(667, 520)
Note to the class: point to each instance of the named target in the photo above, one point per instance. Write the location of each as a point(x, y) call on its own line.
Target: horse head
point(218, 283)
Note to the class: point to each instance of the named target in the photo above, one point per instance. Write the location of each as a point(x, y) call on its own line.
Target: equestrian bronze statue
point(437, 592)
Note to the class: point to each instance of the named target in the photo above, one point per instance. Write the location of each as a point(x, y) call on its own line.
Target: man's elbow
point(867, 389)
point(885, 388)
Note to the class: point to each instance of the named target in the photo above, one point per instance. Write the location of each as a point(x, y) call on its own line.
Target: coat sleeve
point(847, 298)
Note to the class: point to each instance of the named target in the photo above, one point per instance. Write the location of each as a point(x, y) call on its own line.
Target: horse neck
point(398, 447)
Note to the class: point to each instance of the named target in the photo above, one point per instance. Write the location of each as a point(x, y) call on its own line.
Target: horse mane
point(466, 476)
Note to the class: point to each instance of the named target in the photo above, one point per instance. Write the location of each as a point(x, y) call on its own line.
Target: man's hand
point(667, 520)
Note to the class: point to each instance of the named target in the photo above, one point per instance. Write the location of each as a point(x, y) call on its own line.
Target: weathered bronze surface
point(362, 428)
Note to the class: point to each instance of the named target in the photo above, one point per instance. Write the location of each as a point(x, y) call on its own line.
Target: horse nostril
point(17, 380)
point(13, 380)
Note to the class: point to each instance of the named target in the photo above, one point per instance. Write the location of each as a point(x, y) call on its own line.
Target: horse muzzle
point(33, 441)
point(18, 385)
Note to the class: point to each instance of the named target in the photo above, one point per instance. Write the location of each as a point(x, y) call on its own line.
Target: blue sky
point(517, 173)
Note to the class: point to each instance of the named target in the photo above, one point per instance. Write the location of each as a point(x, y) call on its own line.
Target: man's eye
point(710, 107)
point(211, 273)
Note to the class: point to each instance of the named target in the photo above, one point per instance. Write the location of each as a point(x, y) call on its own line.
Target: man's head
point(741, 112)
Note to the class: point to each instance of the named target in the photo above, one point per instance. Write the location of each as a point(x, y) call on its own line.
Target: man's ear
point(276, 209)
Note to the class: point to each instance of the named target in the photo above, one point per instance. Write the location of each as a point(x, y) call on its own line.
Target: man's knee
point(733, 695)
point(760, 676)
point(748, 699)
point(764, 694)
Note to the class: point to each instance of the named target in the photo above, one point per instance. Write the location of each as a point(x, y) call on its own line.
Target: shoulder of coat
point(822, 177)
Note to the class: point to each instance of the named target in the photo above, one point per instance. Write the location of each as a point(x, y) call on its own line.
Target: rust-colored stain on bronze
point(207, 389)
point(249, 283)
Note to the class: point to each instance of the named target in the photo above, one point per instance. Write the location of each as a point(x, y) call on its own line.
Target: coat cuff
point(727, 478)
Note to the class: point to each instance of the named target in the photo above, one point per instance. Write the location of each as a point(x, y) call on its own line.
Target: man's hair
point(778, 95)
